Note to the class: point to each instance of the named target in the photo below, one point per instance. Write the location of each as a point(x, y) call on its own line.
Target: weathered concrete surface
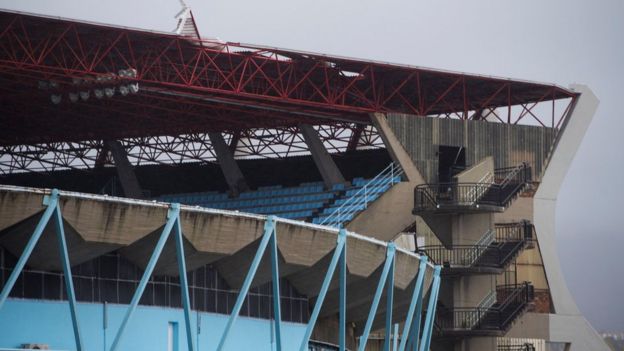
point(228, 240)
point(478, 172)
point(125, 170)
point(231, 172)
point(391, 213)
point(324, 163)
point(568, 325)
point(509, 144)
point(395, 148)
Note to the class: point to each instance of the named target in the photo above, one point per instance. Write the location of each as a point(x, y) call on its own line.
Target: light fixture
point(84, 95)
point(109, 91)
point(73, 97)
point(134, 87)
point(56, 99)
point(99, 93)
point(124, 90)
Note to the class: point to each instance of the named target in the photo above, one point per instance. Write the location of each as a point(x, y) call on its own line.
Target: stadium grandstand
point(167, 191)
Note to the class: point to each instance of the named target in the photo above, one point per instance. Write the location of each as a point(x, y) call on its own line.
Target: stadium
point(165, 191)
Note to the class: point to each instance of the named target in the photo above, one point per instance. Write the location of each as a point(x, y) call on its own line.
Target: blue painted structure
point(113, 317)
point(40, 321)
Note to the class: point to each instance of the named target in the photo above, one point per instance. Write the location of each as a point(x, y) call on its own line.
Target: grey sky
point(556, 41)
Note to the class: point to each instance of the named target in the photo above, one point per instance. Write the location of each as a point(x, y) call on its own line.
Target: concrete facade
point(226, 240)
point(487, 146)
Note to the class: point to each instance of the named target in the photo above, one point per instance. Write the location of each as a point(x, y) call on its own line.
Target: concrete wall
point(37, 321)
point(477, 173)
point(508, 144)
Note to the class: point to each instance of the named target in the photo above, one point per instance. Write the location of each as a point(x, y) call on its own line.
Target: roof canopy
point(65, 80)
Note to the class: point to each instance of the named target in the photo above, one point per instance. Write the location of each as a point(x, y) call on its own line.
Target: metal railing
point(495, 243)
point(515, 231)
point(471, 319)
point(459, 255)
point(477, 192)
point(511, 301)
point(360, 200)
point(498, 191)
point(523, 347)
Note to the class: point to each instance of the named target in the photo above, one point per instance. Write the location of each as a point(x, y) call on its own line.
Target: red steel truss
point(188, 87)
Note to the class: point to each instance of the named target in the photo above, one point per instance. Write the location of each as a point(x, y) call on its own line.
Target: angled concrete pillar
point(232, 173)
point(125, 170)
point(395, 149)
point(323, 160)
point(567, 324)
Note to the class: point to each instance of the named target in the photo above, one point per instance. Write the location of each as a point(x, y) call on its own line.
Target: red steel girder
point(61, 50)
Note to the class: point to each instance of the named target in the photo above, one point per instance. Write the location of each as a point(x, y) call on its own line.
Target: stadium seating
point(354, 200)
point(308, 201)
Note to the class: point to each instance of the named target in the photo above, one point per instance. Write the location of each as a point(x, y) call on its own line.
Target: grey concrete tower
point(414, 143)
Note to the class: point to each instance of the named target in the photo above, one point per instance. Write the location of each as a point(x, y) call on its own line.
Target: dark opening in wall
point(451, 160)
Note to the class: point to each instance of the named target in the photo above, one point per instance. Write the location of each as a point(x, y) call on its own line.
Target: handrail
point(496, 317)
point(469, 255)
point(476, 192)
point(512, 172)
point(523, 347)
point(485, 304)
point(353, 203)
point(483, 242)
point(488, 191)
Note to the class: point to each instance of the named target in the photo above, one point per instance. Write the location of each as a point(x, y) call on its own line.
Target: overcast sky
point(557, 41)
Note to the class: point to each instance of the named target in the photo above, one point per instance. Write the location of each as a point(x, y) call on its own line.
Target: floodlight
point(109, 91)
point(134, 88)
point(73, 97)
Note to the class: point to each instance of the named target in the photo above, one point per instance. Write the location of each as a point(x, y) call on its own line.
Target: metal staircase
point(512, 302)
point(491, 194)
point(491, 254)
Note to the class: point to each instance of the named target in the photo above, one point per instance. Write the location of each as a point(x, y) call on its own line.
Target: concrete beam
point(323, 160)
point(395, 149)
point(125, 170)
point(225, 157)
point(45, 255)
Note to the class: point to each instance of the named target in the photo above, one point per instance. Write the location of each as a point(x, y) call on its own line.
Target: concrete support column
point(233, 175)
point(395, 149)
point(125, 170)
point(544, 201)
point(323, 160)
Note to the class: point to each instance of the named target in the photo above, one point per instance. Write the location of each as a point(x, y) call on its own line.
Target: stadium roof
point(56, 75)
